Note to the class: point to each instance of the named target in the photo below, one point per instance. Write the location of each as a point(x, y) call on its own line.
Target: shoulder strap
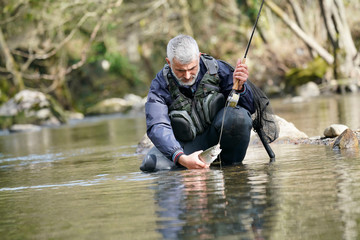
point(166, 70)
point(210, 63)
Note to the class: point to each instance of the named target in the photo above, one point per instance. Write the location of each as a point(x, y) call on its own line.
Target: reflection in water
point(347, 199)
point(205, 204)
point(85, 134)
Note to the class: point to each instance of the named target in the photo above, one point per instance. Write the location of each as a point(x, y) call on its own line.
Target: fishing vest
point(191, 116)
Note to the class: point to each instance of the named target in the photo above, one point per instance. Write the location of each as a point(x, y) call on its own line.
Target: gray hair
point(182, 47)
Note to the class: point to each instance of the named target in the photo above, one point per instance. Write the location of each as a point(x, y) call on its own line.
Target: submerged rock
point(347, 139)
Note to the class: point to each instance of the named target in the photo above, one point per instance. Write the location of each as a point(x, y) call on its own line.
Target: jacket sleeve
point(226, 75)
point(158, 124)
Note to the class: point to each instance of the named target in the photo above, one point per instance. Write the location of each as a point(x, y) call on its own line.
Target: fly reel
point(233, 99)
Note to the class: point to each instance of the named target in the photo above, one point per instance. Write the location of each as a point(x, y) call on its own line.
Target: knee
point(238, 121)
point(156, 161)
point(149, 163)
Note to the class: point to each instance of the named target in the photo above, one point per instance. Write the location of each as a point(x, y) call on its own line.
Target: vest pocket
point(182, 125)
point(212, 105)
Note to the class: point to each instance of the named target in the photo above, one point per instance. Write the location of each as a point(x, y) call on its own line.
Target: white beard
point(187, 83)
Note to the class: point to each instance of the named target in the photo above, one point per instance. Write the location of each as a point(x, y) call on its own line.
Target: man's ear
point(168, 61)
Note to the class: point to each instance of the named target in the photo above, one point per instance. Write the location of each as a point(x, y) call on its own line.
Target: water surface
point(82, 181)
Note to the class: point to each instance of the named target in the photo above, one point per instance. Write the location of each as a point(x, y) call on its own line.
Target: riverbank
point(313, 140)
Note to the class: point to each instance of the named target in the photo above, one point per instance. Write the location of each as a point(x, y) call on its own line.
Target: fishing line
point(223, 118)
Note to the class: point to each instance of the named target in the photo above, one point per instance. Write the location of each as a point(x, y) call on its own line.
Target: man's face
point(185, 73)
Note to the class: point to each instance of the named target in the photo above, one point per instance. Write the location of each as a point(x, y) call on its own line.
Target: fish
point(210, 154)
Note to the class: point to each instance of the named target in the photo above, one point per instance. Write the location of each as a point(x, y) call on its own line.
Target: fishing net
point(263, 119)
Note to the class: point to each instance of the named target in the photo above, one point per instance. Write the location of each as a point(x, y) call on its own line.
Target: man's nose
point(187, 74)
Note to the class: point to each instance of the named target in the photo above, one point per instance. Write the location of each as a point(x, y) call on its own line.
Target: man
point(185, 106)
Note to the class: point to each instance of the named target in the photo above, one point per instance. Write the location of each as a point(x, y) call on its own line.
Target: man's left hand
point(240, 75)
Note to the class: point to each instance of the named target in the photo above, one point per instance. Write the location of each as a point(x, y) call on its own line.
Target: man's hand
point(192, 161)
point(240, 75)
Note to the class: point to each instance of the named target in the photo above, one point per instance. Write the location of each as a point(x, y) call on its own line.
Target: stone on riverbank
point(308, 90)
point(31, 107)
point(334, 130)
point(24, 128)
point(347, 139)
point(288, 129)
point(129, 103)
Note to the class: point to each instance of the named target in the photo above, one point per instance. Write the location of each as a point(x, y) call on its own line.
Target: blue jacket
point(159, 128)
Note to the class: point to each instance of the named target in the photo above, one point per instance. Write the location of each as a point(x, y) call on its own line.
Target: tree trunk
point(309, 40)
point(339, 33)
point(10, 63)
point(299, 16)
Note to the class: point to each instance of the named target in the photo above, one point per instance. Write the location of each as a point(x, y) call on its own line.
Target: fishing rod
point(233, 98)
point(236, 84)
point(253, 31)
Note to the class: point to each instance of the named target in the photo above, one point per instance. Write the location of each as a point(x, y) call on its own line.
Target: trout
point(210, 154)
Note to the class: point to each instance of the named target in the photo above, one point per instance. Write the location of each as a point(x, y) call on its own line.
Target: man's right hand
point(192, 161)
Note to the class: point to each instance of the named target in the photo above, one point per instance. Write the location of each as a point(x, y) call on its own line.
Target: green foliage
point(120, 66)
point(49, 37)
point(92, 83)
point(56, 109)
point(5, 122)
point(314, 71)
point(98, 50)
point(6, 90)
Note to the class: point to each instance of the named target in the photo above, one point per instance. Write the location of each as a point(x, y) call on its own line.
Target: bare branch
point(300, 33)
point(10, 63)
point(53, 77)
point(148, 12)
point(92, 38)
point(17, 11)
point(61, 44)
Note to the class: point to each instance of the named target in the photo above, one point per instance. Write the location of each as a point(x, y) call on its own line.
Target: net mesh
point(263, 119)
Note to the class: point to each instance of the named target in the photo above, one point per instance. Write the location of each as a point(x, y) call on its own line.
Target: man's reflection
point(204, 204)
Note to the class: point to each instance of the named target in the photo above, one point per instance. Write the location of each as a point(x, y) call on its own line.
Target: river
point(82, 181)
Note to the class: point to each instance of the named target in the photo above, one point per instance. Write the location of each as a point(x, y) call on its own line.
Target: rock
point(136, 102)
point(347, 139)
point(24, 128)
point(130, 102)
point(307, 90)
point(287, 132)
point(288, 129)
point(144, 145)
point(109, 106)
point(31, 107)
point(334, 130)
point(75, 115)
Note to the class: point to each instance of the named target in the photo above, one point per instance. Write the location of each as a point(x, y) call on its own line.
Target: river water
point(82, 181)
